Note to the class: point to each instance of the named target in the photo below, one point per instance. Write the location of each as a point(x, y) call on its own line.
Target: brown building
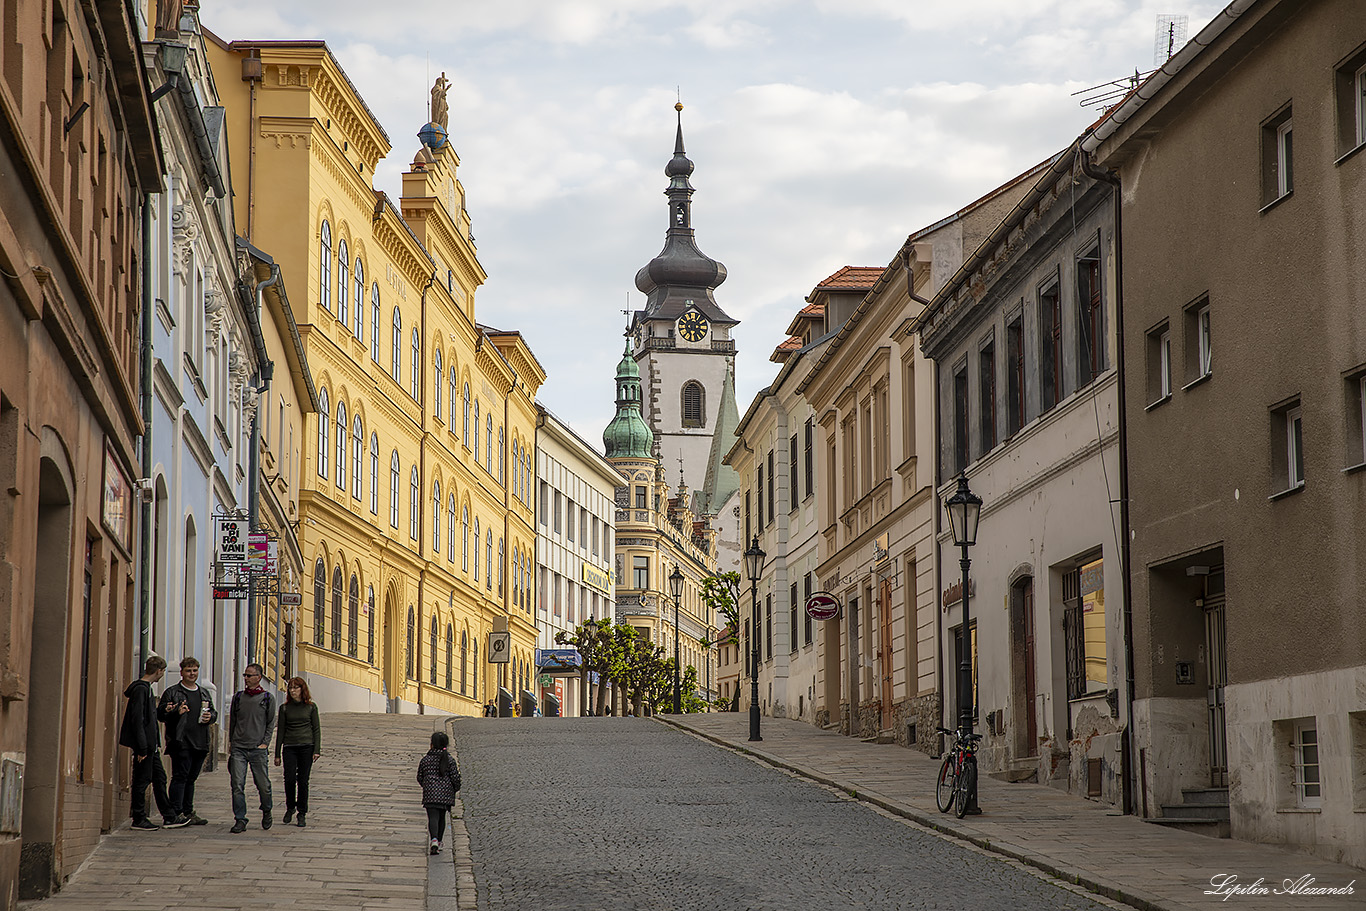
point(77, 154)
point(1244, 187)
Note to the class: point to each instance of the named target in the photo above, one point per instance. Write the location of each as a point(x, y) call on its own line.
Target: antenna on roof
point(1170, 36)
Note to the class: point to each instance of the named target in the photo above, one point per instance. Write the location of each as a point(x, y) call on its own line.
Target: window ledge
point(1349, 153)
point(1275, 202)
point(1162, 401)
point(1285, 493)
point(1312, 810)
point(1198, 380)
point(1350, 469)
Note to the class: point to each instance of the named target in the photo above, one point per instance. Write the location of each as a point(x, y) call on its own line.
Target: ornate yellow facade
point(415, 484)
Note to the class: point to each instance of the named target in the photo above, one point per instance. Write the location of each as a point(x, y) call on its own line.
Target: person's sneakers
point(239, 827)
point(301, 822)
point(266, 821)
point(436, 846)
point(289, 816)
point(145, 824)
point(176, 822)
point(197, 820)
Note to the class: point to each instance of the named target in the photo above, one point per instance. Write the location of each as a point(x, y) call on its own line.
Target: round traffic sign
point(822, 606)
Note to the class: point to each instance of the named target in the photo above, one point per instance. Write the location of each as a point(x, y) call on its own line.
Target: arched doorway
point(51, 605)
point(390, 659)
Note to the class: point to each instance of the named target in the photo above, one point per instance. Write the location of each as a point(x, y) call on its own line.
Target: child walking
point(440, 779)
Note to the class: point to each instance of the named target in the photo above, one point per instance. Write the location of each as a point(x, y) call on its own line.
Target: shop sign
point(954, 593)
point(117, 510)
point(257, 545)
point(230, 540)
point(291, 599)
point(822, 606)
point(596, 578)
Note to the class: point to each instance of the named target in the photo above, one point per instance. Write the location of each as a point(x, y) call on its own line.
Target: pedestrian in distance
point(440, 779)
point(251, 723)
point(491, 710)
point(299, 743)
point(188, 712)
point(139, 733)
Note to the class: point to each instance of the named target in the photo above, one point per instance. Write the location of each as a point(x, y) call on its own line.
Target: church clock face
point(692, 326)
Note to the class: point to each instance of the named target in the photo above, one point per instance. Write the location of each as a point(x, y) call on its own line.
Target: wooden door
point(884, 613)
point(1030, 671)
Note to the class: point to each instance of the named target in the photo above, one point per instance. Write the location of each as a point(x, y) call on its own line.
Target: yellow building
point(415, 487)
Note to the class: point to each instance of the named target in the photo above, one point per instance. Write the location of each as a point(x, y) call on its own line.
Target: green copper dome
point(628, 436)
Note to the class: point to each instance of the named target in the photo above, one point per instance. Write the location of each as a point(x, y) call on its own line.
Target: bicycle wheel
point(967, 786)
point(945, 785)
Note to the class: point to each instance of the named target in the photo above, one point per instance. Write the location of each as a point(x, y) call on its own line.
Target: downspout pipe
point(264, 371)
point(145, 398)
point(422, 494)
point(1090, 169)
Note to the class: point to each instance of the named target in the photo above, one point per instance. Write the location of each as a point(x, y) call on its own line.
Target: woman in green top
point(299, 741)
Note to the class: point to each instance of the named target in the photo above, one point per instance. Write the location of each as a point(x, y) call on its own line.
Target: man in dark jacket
point(188, 712)
point(139, 733)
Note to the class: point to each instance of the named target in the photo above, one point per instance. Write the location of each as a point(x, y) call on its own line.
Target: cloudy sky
point(823, 132)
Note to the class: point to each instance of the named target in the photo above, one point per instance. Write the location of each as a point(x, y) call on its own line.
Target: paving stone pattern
point(364, 848)
point(599, 814)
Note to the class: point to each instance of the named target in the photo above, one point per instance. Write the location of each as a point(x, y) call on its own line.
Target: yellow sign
point(597, 578)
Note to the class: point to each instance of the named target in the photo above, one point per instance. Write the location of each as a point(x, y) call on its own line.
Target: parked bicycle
point(956, 786)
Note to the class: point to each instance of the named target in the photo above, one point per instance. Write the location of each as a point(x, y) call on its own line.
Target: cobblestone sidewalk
point(1125, 858)
point(364, 848)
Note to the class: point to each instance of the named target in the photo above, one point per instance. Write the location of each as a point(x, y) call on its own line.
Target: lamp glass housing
point(754, 560)
point(964, 509)
point(676, 584)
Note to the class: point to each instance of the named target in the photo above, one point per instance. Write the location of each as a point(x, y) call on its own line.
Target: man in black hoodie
point(140, 734)
point(188, 712)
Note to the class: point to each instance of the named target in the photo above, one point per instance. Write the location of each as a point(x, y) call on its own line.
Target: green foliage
point(617, 652)
point(721, 592)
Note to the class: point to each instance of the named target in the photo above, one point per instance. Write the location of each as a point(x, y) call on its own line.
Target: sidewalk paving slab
point(1081, 841)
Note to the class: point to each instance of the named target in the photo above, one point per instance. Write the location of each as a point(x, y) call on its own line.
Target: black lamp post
point(676, 587)
point(754, 566)
point(964, 509)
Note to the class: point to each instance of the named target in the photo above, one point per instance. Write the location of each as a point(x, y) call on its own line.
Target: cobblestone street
point(610, 813)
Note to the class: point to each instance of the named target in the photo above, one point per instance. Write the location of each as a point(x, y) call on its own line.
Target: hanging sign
point(257, 545)
point(291, 599)
point(822, 606)
point(230, 540)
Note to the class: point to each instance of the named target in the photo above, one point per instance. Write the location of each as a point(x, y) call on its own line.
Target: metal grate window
point(1073, 634)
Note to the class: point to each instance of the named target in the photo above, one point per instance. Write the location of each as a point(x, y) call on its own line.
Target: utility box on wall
point(11, 793)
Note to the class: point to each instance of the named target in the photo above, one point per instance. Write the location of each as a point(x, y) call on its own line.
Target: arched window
point(353, 618)
point(436, 516)
point(374, 322)
point(360, 298)
point(516, 575)
point(476, 430)
point(474, 663)
point(416, 384)
point(414, 505)
point(502, 568)
point(465, 539)
point(393, 489)
point(341, 445)
point(357, 455)
point(412, 642)
point(488, 441)
point(431, 653)
point(464, 661)
point(476, 549)
point(450, 527)
point(465, 426)
point(370, 627)
point(488, 559)
point(319, 602)
point(336, 608)
point(324, 432)
point(455, 385)
point(440, 379)
point(694, 404)
point(343, 279)
point(374, 474)
point(502, 459)
point(325, 266)
point(396, 356)
point(450, 656)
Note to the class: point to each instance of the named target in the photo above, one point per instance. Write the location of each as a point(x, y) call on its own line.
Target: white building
point(574, 540)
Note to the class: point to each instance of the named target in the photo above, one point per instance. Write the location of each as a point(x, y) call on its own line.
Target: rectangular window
point(583, 528)
point(1199, 341)
point(1090, 318)
point(597, 529)
point(792, 618)
point(569, 511)
point(759, 495)
point(1308, 789)
point(768, 627)
point(960, 419)
point(557, 510)
point(640, 572)
point(986, 389)
point(1278, 158)
point(545, 503)
point(1159, 363)
point(1350, 91)
point(641, 501)
point(1287, 447)
point(1356, 419)
point(807, 623)
point(771, 496)
point(748, 532)
point(1050, 345)
point(792, 474)
point(559, 605)
point(1015, 375)
point(808, 445)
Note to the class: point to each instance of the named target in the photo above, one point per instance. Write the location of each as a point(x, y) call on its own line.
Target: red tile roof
point(851, 278)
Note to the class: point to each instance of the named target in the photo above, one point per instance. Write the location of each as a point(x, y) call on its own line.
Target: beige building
point(78, 153)
point(415, 504)
point(1243, 179)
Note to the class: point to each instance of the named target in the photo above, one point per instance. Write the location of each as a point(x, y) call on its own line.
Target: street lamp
point(964, 509)
point(676, 586)
point(754, 566)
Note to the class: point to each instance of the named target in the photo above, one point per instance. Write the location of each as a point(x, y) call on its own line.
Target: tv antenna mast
point(1170, 36)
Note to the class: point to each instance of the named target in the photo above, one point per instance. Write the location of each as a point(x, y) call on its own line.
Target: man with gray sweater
point(251, 724)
